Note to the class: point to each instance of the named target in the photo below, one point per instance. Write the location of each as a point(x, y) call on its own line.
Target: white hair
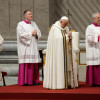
point(64, 18)
point(94, 14)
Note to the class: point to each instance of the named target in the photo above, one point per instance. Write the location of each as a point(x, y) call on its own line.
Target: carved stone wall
point(11, 12)
point(45, 13)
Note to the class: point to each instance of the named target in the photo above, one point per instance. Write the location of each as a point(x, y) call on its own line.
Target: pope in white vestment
point(58, 71)
point(28, 34)
point(93, 51)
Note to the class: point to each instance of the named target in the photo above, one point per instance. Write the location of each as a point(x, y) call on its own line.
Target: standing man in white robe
point(93, 51)
point(58, 71)
point(28, 35)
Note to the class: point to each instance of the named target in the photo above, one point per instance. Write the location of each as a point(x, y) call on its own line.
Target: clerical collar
point(27, 21)
point(96, 25)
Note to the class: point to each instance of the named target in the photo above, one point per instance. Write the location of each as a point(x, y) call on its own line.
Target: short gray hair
point(93, 15)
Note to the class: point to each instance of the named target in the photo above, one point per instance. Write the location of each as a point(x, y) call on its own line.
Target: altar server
point(28, 35)
point(93, 51)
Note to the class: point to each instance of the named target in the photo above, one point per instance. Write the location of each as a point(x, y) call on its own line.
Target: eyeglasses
point(97, 18)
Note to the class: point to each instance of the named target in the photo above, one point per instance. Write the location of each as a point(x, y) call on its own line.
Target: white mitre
point(64, 18)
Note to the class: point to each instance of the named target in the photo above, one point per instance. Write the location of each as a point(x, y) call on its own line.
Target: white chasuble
point(92, 45)
point(27, 44)
point(54, 77)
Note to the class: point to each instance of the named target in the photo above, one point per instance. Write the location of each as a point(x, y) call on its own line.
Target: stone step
point(8, 59)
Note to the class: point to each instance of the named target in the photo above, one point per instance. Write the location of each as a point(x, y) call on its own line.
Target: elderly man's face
point(97, 19)
point(64, 23)
point(28, 16)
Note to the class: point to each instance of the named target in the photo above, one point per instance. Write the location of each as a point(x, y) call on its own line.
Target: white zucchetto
point(64, 18)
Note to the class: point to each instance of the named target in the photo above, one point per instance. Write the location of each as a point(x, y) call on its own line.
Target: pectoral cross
point(68, 14)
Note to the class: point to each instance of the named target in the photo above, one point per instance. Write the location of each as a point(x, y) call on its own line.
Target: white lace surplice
point(92, 45)
point(27, 44)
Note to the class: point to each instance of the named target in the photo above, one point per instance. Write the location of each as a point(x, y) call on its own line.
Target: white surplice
point(27, 44)
point(92, 45)
point(1, 43)
point(54, 64)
